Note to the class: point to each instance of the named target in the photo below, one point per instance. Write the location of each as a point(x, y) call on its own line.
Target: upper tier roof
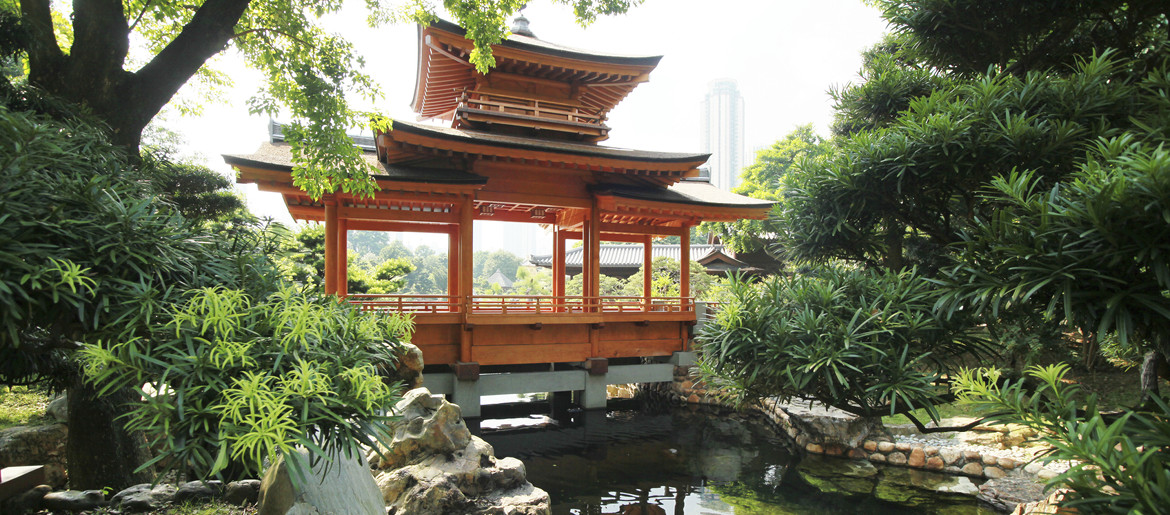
point(444, 69)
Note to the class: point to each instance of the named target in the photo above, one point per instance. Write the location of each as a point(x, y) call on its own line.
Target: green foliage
point(1118, 465)
point(866, 342)
point(970, 36)
point(897, 196)
point(197, 192)
point(888, 85)
point(484, 264)
point(22, 405)
point(232, 379)
point(1093, 251)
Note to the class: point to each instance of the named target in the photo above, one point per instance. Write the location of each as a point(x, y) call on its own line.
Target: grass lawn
point(22, 406)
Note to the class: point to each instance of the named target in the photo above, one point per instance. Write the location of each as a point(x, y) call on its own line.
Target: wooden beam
point(453, 262)
point(652, 230)
point(383, 226)
point(558, 264)
point(397, 215)
point(594, 253)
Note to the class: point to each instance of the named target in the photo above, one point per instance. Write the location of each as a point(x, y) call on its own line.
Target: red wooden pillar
point(330, 244)
point(684, 288)
point(593, 251)
point(453, 261)
point(558, 265)
point(342, 257)
point(647, 273)
point(466, 270)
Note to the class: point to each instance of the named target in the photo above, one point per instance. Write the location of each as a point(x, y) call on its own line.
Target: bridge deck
point(512, 330)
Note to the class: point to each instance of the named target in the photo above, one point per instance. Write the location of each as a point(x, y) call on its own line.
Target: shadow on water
point(657, 461)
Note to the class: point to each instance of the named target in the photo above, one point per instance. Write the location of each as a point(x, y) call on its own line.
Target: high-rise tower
point(722, 132)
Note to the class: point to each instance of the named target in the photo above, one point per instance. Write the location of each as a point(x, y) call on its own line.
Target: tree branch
point(208, 32)
point(925, 430)
point(44, 56)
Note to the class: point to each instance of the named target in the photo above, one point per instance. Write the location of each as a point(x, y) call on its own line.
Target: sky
point(784, 54)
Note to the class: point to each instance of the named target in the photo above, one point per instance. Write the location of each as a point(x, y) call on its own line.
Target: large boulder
point(823, 425)
point(36, 445)
point(409, 367)
point(434, 466)
point(339, 487)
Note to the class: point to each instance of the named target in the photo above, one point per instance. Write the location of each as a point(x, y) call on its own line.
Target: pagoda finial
point(520, 24)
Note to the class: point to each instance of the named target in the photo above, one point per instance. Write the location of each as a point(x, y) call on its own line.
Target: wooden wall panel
point(490, 335)
point(518, 354)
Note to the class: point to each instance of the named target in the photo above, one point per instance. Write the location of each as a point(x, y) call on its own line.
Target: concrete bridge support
point(588, 384)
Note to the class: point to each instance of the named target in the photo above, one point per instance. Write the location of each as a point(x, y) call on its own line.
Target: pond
point(706, 461)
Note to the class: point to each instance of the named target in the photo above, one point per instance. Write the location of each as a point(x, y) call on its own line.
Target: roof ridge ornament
point(520, 24)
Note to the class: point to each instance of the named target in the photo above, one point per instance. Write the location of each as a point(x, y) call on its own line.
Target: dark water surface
point(709, 462)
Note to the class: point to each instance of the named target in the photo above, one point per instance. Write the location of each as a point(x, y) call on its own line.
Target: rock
point(896, 458)
point(1005, 494)
point(338, 486)
point(902, 447)
point(972, 469)
point(825, 425)
point(143, 497)
point(814, 448)
point(1046, 474)
point(25, 502)
point(73, 500)
point(435, 466)
point(877, 457)
point(242, 492)
point(834, 450)
point(917, 458)
point(1006, 463)
point(199, 490)
point(935, 463)
point(1047, 506)
point(870, 445)
point(885, 446)
point(993, 472)
point(971, 455)
point(36, 445)
point(409, 367)
point(1034, 467)
point(930, 451)
point(989, 460)
point(949, 455)
point(857, 454)
point(58, 409)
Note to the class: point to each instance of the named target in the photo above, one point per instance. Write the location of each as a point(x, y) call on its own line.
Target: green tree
point(665, 278)
point(765, 179)
point(308, 71)
point(368, 242)
point(484, 264)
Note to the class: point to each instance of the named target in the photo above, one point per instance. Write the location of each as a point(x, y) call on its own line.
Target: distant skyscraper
point(722, 132)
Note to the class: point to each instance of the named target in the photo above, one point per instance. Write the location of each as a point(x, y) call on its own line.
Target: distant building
point(625, 260)
point(722, 132)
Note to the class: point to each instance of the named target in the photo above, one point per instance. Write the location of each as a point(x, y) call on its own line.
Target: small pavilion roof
point(699, 193)
point(627, 259)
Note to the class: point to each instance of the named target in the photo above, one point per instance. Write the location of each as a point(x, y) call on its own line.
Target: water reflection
point(702, 461)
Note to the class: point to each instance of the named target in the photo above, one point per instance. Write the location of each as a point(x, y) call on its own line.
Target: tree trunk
point(1150, 364)
point(100, 452)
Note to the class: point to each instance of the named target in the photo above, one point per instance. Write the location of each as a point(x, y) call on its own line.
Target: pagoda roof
point(445, 70)
point(699, 193)
point(278, 157)
point(501, 142)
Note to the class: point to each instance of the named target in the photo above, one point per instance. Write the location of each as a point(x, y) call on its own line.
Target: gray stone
point(973, 469)
point(199, 490)
point(58, 409)
point(73, 500)
point(423, 472)
point(885, 446)
point(825, 425)
point(896, 458)
point(25, 502)
point(949, 455)
point(242, 492)
point(1046, 474)
point(36, 445)
point(336, 486)
point(1034, 467)
point(144, 497)
point(993, 472)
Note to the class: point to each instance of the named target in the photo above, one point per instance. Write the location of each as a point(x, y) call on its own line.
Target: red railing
point(544, 109)
point(520, 304)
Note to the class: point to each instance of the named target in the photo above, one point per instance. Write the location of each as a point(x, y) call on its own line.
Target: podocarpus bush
point(237, 380)
point(862, 341)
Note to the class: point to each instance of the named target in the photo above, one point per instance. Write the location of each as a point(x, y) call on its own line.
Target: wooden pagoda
point(520, 144)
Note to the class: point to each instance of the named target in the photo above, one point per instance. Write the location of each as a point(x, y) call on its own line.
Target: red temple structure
point(520, 145)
